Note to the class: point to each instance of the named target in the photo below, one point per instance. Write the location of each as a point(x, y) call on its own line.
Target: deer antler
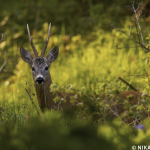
point(43, 51)
point(30, 39)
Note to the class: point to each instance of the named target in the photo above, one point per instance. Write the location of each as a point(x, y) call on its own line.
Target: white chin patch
point(39, 83)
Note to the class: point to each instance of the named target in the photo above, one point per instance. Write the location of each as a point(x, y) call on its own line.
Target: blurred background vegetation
point(89, 61)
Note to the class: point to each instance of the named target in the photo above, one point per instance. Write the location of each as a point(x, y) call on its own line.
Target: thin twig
point(117, 116)
point(127, 47)
point(131, 86)
point(3, 63)
point(32, 101)
point(147, 49)
point(134, 121)
point(137, 31)
point(2, 37)
point(138, 22)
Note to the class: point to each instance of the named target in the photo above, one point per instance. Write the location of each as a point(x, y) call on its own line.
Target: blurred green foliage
point(89, 62)
point(51, 131)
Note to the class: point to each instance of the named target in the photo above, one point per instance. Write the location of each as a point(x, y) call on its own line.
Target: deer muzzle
point(39, 80)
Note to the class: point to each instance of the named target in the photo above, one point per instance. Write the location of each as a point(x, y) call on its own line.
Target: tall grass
point(92, 63)
point(83, 61)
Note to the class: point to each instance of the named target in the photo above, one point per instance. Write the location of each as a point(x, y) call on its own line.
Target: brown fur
point(45, 96)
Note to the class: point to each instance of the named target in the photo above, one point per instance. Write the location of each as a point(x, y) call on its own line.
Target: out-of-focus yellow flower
point(55, 40)
point(76, 38)
point(4, 21)
point(3, 44)
point(6, 83)
point(16, 35)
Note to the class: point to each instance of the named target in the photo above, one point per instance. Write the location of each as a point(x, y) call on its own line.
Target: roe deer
point(41, 75)
point(42, 78)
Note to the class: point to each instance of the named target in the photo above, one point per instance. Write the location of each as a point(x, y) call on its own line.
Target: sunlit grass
point(85, 66)
point(80, 62)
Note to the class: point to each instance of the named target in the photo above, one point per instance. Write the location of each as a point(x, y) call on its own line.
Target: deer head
point(39, 64)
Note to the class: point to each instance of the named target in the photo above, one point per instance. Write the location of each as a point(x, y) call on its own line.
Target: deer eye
point(46, 68)
point(33, 69)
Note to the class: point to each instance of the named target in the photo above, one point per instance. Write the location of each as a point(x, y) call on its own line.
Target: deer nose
point(39, 80)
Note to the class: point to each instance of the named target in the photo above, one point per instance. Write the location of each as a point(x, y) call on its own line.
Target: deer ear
point(26, 56)
point(52, 55)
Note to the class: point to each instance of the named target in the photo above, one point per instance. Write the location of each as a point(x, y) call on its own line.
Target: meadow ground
point(87, 65)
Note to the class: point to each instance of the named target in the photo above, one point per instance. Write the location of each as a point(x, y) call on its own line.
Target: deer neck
point(43, 93)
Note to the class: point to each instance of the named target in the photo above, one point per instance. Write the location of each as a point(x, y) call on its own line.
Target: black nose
point(39, 80)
